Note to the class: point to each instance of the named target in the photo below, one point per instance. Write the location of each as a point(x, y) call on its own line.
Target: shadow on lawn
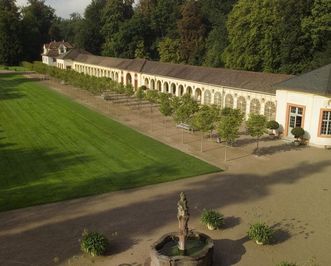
point(9, 84)
point(139, 217)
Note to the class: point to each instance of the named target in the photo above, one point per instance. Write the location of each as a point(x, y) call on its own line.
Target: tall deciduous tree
point(169, 50)
point(37, 21)
point(10, 45)
point(90, 33)
point(192, 32)
point(256, 127)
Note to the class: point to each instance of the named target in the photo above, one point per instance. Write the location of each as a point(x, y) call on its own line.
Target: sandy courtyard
point(287, 188)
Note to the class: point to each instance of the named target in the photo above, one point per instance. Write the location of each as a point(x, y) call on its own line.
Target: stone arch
point(116, 76)
point(197, 94)
point(159, 85)
point(241, 104)
point(189, 90)
point(229, 101)
point(207, 97)
point(165, 87)
point(128, 79)
point(146, 83)
point(270, 110)
point(152, 84)
point(255, 107)
point(180, 90)
point(218, 99)
point(173, 89)
point(112, 75)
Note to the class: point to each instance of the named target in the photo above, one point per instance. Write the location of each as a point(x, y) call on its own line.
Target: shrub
point(93, 243)
point(298, 132)
point(260, 232)
point(212, 218)
point(272, 125)
point(284, 263)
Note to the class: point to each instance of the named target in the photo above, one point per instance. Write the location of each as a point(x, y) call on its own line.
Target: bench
point(186, 127)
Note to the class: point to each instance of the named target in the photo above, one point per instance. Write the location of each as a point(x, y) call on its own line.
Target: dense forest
point(285, 36)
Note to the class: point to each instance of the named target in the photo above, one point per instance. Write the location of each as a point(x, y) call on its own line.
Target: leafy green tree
point(37, 21)
point(10, 45)
point(204, 120)
point(152, 96)
point(140, 94)
point(228, 127)
point(256, 127)
point(72, 29)
point(185, 111)
point(169, 50)
point(192, 32)
point(90, 33)
point(165, 107)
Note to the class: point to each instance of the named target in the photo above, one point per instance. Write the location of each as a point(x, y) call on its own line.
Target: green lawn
point(14, 68)
point(52, 149)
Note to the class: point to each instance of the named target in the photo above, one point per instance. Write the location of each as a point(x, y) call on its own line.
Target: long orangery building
point(293, 101)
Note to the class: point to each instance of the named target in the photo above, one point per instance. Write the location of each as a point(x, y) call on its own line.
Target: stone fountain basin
point(200, 256)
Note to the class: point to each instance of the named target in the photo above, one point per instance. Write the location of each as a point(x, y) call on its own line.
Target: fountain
point(185, 248)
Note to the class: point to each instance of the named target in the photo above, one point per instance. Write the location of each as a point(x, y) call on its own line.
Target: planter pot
point(259, 243)
point(210, 227)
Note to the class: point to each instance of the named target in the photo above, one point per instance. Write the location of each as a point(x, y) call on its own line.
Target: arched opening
point(189, 90)
point(146, 83)
point(128, 79)
point(116, 77)
point(112, 75)
point(241, 104)
point(165, 87)
point(181, 90)
point(159, 85)
point(173, 89)
point(207, 97)
point(255, 107)
point(218, 99)
point(197, 95)
point(229, 101)
point(270, 110)
point(153, 84)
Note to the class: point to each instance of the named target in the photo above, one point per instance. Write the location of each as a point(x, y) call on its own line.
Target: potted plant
point(212, 219)
point(272, 126)
point(261, 233)
point(94, 244)
point(298, 133)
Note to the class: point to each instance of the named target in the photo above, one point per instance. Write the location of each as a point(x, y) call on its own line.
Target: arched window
point(229, 101)
point(207, 97)
point(241, 104)
point(270, 110)
point(218, 99)
point(159, 85)
point(189, 90)
point(128, 79)
point(173, 88)
point(152, 84)
point(166, 87)
point(255, 107)
point(146, 82)
point(181, 90)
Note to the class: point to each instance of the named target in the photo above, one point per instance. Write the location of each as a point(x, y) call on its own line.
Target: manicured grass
point(13, 68)
point(52, 149)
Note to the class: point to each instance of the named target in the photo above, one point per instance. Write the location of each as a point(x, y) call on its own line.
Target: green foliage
point(256, 126)
point(140, 93)
point(165, 105)
point(229, 124)
point(260, 232)
point(185, 111)
point(284, 263)
point(152, 96)
point(169, 50)
point(298, 132)
point(192, 31)
point(272, 124)
point(94, 244)
point(213, 218)
point(10, 30)
point(205, 118)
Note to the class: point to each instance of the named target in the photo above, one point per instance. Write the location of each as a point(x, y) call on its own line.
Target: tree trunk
point(182, 135)
point(225, 155)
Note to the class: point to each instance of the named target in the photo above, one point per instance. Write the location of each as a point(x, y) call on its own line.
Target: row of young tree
point(184, 110)
point(287, 36)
